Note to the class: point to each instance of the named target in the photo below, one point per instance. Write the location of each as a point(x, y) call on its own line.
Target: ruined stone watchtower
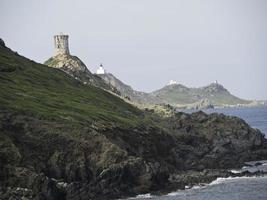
point(61, 44)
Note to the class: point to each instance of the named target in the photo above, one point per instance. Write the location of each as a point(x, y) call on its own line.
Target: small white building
point(172, 82)
point(100, 70)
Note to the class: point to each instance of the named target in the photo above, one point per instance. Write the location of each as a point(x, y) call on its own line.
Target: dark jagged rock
point(2, 43)
point(202, 104)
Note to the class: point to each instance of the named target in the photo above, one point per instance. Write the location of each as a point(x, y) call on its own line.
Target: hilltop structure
point(101, 70)
point(61, 44)
point(72, 65)
point(172, 82)
point(62, 58)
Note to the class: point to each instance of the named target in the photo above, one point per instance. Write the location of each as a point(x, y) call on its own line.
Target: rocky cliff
point(127, 91)
point(62, 139)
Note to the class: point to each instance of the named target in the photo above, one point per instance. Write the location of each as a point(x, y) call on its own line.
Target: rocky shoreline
point(190, 179)
point(61, 139)
point(181, 181)
point(144, 160)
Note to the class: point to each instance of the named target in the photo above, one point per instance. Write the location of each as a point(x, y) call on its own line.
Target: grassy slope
point(175, 94)
point(34, 88)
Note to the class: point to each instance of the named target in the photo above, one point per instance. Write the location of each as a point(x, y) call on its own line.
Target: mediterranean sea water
point(242, 188)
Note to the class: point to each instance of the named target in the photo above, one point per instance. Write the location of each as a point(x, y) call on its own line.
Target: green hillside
point(30, 87)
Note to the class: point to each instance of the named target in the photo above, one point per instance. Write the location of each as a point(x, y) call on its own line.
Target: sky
point(146, 43)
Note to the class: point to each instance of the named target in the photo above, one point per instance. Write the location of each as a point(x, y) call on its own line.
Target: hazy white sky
point(145, 43)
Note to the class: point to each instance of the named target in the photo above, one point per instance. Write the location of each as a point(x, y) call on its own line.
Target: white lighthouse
point(100, 70)
point(172, 82)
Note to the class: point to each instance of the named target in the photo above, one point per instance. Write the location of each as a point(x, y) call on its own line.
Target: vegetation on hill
point(215, 93)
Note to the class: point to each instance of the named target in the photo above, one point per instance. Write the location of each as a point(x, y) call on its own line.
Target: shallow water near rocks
point(240, 188)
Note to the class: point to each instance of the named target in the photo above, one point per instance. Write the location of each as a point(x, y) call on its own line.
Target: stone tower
point(61, 44)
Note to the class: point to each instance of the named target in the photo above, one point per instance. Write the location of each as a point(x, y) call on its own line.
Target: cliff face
point(62, 139)
point(127, 91)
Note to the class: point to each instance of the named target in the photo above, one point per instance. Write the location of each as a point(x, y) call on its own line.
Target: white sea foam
point(142, 196)
point(221, 180)
point(197, 186)
point(187, 187)
point(173, 194)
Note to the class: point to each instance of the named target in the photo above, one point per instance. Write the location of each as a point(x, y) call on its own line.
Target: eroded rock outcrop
point(2, 43)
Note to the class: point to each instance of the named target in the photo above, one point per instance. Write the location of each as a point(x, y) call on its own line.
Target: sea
point(235, 188)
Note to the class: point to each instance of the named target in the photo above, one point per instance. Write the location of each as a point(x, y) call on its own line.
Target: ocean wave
point(172, 194)
point(142, 196)
point(221, 180)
